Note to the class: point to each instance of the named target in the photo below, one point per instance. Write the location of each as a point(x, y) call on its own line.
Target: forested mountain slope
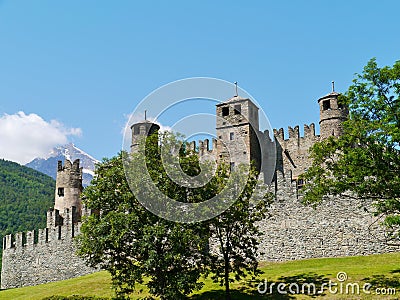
point(25, 196)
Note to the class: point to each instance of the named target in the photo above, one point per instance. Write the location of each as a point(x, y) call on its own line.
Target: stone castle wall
point(47, 255)
point(336, 227)
point(292, 152)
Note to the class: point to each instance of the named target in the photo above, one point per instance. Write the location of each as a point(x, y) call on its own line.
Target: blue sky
point(83, 66)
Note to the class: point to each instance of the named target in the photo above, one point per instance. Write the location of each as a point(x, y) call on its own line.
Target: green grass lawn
point(381, 271)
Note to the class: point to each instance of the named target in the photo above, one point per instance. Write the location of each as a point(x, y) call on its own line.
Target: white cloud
point(24, 137)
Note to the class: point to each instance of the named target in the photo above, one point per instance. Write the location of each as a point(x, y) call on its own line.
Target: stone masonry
point(337, 227)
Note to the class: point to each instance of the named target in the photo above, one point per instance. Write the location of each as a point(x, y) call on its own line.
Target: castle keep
point(337, 227)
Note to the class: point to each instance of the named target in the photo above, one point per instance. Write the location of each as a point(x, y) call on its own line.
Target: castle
point(337, 227)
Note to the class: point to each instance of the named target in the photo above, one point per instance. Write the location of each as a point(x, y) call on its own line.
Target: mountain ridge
point(48, 164)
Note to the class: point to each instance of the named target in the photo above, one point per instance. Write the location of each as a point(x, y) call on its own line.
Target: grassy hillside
point(25, 196)
point(379, 270)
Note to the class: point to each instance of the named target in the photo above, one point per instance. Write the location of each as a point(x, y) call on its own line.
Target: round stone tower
point(69, 188)
point(332, 115)
point(140, 130)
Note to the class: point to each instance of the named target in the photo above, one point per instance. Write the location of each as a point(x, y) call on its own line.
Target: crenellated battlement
point(294, 134)
point(23, 240)
point(293, 152)
point(56, 218)
point(309, 130)
point(203, 147)
point(68, 166)
point(57, 228)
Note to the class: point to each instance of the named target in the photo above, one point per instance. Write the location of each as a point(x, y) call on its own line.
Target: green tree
point(131, 242)
point(235, 231)
point(365, 161)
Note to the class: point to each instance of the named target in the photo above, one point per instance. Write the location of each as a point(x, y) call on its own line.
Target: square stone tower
point(237, 128)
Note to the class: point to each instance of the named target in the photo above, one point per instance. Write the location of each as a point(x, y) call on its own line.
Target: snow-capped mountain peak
point(48, 165)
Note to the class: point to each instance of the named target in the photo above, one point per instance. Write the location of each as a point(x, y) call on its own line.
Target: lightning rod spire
point(236, 89)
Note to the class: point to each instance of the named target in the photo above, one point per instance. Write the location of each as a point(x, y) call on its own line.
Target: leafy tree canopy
point(132, 243)
point(365, 161)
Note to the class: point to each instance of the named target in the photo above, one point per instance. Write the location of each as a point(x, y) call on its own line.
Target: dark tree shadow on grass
point(310, 284)
point(250, 290)
point(384, 281)
point(235, 295)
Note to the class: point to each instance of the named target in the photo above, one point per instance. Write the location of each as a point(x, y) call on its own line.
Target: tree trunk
point(227, 290)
